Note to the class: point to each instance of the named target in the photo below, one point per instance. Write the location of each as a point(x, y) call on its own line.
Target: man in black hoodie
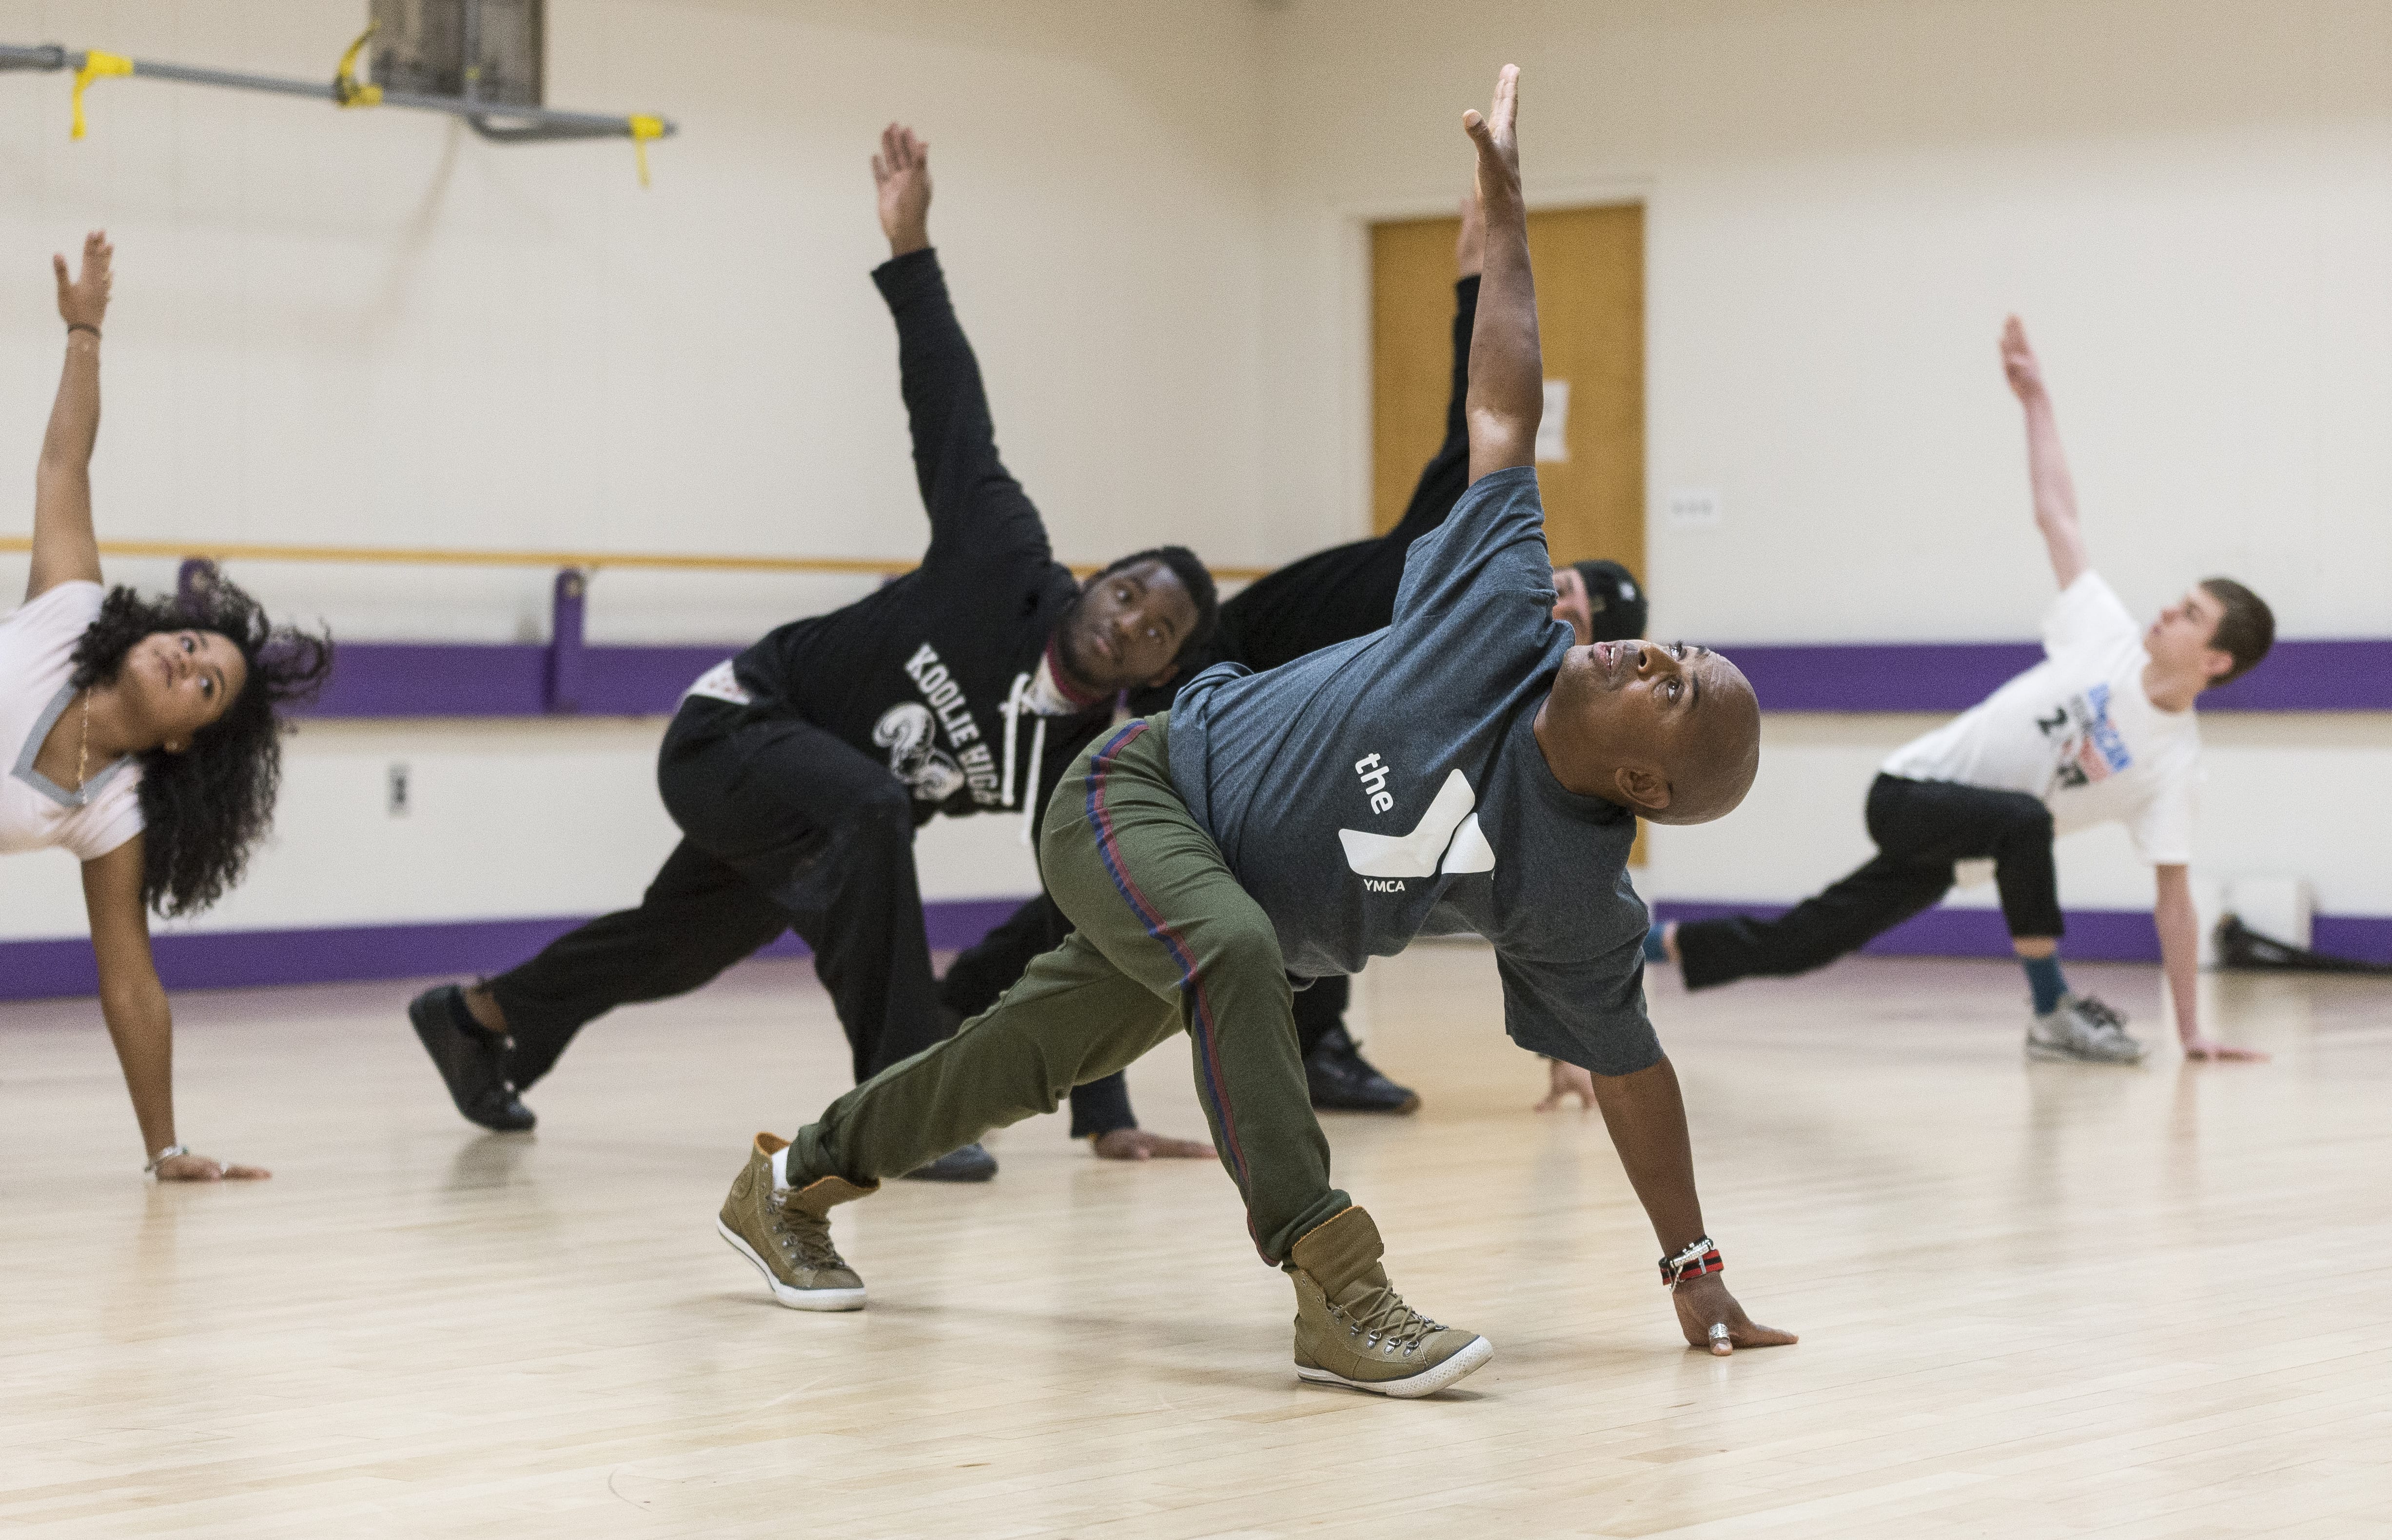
point(1327, 597)
point(798, 771)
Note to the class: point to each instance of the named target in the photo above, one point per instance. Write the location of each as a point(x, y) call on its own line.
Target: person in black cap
point(1327, 597)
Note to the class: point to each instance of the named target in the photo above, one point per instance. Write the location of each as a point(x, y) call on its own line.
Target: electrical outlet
point(1693, 507)
point(397, 787)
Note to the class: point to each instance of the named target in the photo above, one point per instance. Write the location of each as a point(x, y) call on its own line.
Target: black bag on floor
point(2241, 947)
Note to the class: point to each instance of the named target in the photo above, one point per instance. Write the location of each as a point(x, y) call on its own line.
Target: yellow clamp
point(643, 128)
point(96, 64)
point(347, 90)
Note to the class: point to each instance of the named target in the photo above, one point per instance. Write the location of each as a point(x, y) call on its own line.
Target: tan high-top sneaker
point(787, 1233)
point(1353, 1329)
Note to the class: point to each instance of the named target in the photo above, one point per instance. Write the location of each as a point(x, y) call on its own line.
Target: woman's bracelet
point(162, 1157)
point(73, 327)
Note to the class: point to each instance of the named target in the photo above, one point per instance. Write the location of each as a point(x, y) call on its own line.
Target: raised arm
point(1507, 368)
point(2047, 463)
point(974, 503)
point(65, 547)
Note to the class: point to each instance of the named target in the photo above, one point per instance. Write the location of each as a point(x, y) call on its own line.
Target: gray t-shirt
point(1392, 787)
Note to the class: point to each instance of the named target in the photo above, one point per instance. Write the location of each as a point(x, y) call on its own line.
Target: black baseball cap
point(1616, 598)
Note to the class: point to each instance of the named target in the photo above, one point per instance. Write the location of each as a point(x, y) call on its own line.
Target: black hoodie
point(932, 672)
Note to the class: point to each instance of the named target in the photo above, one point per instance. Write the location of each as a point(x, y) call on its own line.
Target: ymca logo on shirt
point(2086, 745)
point(1446, 839)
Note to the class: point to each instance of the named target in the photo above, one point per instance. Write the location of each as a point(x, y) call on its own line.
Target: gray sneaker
point(2083, 1029)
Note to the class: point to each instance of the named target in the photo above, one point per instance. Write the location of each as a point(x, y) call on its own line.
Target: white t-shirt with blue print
point(2077, 732)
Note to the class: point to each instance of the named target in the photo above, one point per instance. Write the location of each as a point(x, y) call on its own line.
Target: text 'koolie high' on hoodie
point(948, 673)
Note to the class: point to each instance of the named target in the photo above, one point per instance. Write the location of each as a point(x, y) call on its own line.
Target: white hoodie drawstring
point(1014, 701)
point(1029, 797)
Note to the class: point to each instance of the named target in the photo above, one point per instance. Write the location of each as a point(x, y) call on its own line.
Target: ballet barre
point(556, 561)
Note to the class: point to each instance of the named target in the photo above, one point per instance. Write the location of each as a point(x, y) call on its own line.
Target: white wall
point(2189, 201)
point(373, 329)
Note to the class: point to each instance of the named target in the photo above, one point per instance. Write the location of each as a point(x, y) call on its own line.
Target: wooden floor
point(2034, 1300)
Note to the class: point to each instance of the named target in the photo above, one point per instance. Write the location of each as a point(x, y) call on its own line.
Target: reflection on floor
point(2034, 1298)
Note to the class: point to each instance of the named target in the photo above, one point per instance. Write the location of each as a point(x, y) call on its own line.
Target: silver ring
point(1719, 1331)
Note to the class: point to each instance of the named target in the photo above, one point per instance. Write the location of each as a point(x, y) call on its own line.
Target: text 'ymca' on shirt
point(1392, 787)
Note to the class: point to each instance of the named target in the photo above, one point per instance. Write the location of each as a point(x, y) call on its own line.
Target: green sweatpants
point(1165, 941)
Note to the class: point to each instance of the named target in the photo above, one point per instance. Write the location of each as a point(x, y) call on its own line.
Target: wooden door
point(1590, 267)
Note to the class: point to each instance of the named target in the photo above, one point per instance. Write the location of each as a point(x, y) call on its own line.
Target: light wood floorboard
point(2035, 1299)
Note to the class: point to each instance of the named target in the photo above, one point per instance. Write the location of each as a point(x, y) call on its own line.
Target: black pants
point(989, 969)
point(1921, 827)
point(783, 828)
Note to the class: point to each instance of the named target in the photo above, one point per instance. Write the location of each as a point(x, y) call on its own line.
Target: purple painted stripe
point(411, 678)
point(398, 678)
point(1917, 677)
point(2298, 676)
point(2313, 675)
point(636, 682)
point(250, 958)
point(2363, 938)
point(2094, 934)
point(405, 678)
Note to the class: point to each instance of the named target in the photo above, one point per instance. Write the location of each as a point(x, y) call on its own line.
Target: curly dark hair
point(202, 809)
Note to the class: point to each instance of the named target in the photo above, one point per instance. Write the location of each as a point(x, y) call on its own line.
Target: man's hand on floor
point(1136, 1144)
point(1704, 1303)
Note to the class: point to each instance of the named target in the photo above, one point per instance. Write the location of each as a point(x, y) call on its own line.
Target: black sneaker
point(473, 1062)
point(970, 1163)
point(1341, 1080)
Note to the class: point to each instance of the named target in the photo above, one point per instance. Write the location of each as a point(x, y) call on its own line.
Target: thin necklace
point(83, 751)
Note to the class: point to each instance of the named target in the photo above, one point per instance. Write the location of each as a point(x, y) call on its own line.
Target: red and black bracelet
point(1696, 1261)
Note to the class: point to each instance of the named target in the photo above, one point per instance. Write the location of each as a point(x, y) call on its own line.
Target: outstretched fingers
point(1495, 132)
point(1506, 111)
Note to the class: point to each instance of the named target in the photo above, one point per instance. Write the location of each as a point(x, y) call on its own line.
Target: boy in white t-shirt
point(2101, 731)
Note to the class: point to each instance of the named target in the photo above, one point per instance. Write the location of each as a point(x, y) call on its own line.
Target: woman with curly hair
point(139, 734)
